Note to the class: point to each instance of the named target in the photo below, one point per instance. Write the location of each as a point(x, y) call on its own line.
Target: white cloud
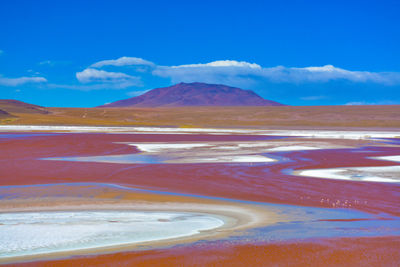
point(329, 72)
point(230, 72)
point(21, 80)
point(122, 61)
point(94, 75)
point(221, 63)
point(100, 79)
point(242, 72)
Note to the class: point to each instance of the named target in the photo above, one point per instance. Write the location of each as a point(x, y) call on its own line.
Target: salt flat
point(160, 147)
point(330, 134)
point(32, 233)
point(385, 174)
point(389, 158)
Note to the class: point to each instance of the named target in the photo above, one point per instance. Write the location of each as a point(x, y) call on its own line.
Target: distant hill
point(5, 114)
point(15, 106)
point(195, 94)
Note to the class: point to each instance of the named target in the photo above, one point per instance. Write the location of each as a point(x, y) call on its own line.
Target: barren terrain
point(339, 117)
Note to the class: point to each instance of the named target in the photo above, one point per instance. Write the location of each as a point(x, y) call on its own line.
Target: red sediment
point(380, 251)
point(20, 165)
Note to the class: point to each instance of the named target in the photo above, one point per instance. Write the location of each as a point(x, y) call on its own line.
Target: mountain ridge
point(194, 94)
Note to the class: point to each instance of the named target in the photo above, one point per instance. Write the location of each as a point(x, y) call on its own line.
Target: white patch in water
point(233, 147)
point(160, 147)
point(234, 158)
point(389, 158)
point(292, 148)
point(386, 174)
point(147, 130)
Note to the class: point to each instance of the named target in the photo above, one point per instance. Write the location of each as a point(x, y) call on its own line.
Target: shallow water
point(22, 135)
point(300, 222)
point(122, 159)
point(235, 182)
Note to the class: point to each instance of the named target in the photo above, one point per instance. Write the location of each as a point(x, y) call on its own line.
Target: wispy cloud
point(245, 73)
point(220, 71)
point(230, 72)
point(123, 61)
point(53, 63)
point(93, 75)
point(33, 72)
point(313, 97)
point(1, 52)
point(329, 72)
point(358, 103)
point(137, 93)
point(94, 86)
point(21, 80)
point(222, 63)
point(46, 62)
point(94, 79)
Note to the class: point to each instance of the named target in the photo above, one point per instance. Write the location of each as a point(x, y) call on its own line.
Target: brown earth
point(338, 117)
point(379, 251)
point(5, 114)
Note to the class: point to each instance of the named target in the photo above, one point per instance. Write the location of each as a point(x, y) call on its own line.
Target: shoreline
point(242, 182)
point(315, 132)
point(236, 218)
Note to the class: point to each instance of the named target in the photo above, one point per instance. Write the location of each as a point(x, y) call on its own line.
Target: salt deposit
point(385, 174)
point(32, 233)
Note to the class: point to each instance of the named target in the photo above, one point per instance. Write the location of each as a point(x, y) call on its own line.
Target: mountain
point(15, 106)
point(195, 94)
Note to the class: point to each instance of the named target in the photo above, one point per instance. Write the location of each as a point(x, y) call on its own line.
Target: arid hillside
point(15, 106)
point(5, 114)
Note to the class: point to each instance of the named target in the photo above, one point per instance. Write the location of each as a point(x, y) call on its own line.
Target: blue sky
point(87, 53)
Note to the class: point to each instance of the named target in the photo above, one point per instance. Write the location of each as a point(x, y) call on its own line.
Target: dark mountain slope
point(195, 94)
